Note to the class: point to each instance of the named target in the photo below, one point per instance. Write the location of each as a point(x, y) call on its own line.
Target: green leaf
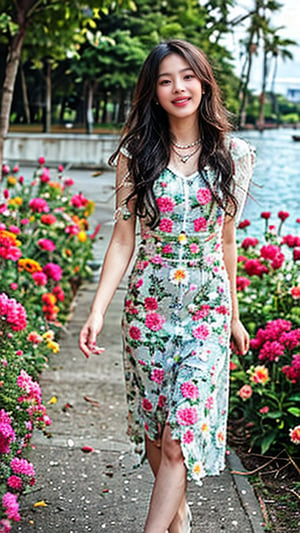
point(274, 414)
point(294, 411)
point(268, 441)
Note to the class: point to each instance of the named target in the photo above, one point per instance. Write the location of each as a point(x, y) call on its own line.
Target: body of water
point(276, 179)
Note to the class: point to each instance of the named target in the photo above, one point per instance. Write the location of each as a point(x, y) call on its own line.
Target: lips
point(181, 101)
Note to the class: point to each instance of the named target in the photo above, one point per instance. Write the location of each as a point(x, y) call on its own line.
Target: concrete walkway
point(101, 490)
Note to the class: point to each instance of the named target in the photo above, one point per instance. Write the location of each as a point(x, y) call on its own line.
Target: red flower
point(283, 215)
point(296, 253)
point(135, 333)
point(151, 303)
point(266, 215)
point(254, 267)
point(147, 405)
point(244, 224)
point(249, 241)
point(41, 160)
point(291, 240)
point(154, 321)
point(242, 283)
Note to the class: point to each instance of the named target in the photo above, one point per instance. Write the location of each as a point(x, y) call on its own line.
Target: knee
point(171, 449)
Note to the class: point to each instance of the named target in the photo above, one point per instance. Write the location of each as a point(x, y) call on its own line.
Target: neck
point(184, 131)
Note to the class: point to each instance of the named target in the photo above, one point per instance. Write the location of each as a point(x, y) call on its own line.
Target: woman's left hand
point(240, 336)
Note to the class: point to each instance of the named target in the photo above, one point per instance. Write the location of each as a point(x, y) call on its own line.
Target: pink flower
point(203, 312)
point(200, 224)
point(157, 375)
point(9, 502)
point(53, 271)
point(14, 229)
point(166, 225)
point(194, 248)
point(188, 437)
point(201, 332)
point(39, 278)
point(39, 205)
point(245, 392)
point(167, 249)
point(292, 372)
point(15, 482)
point(165, 204)
point(242, 283)
point(59, 293)
point(5, 169)
point(135, 333)
point(283, 215)
point(69, 182)
point(154, 321)
point(13, 312)
point(147, 405)
point(189, 390)
point(78, 200)
point(46, 244)
point(151, 303)
point(139, 283)
point(41, 160)
point(31, 388)
point(266, 215)
point(187, 416)
point(264, 410)
point(7, 434)
point(204, 196)
point(249, 241)
point(209, 402)
point(60, 168)
point(45, 175)
point(271, 351)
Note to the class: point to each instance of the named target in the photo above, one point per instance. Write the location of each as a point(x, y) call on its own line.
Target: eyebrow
point(169, 74)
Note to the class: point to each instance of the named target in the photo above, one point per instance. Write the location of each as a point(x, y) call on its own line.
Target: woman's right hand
point(88, 335)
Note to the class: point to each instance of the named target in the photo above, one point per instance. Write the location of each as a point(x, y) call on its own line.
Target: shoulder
point(240, 148)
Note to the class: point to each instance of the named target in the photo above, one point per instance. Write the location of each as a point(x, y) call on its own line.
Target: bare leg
point(169, 487)
point(153, 451)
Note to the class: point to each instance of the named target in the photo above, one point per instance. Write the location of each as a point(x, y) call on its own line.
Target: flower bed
point(265, 398)
point(44, 250)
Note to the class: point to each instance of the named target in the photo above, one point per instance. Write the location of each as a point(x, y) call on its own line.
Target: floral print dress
point(176, 319)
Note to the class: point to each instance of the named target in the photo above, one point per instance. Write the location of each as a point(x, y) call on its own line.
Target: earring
point(156, 102)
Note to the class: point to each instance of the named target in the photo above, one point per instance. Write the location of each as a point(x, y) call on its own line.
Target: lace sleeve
point(124, 187)
point(243, 156)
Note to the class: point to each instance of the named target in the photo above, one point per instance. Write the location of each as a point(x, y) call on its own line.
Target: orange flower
point(76, 269)
point(76, 219)
point(204, 427)
point(260, 374)
point(68, 252)
point(12, 238)
point(49, 298)
point(16, 201)
point(30, 265)
point(11, 180)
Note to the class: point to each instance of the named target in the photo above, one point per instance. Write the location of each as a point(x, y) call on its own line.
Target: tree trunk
point(104, 110)
point(12, 65)
point(47, 114)
point(242, 113)
point(89, 108)
point(261, 119)
point(25, 95)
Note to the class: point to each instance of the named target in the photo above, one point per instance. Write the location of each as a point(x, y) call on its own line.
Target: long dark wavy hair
point(147, 137)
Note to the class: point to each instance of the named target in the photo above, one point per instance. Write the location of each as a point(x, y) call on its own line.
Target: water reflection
point(277, 175)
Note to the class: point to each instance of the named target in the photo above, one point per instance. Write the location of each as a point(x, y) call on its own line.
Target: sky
point(288, 74)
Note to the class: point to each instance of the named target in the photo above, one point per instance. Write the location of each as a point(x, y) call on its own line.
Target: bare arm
point(239, 334)
point(116, 262)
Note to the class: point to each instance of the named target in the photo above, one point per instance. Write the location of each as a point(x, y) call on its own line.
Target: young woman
point(186, 180)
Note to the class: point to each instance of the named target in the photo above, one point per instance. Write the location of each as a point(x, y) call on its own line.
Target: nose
point(178, 86)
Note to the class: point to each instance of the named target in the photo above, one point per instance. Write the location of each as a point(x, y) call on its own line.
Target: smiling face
point(178, 89)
